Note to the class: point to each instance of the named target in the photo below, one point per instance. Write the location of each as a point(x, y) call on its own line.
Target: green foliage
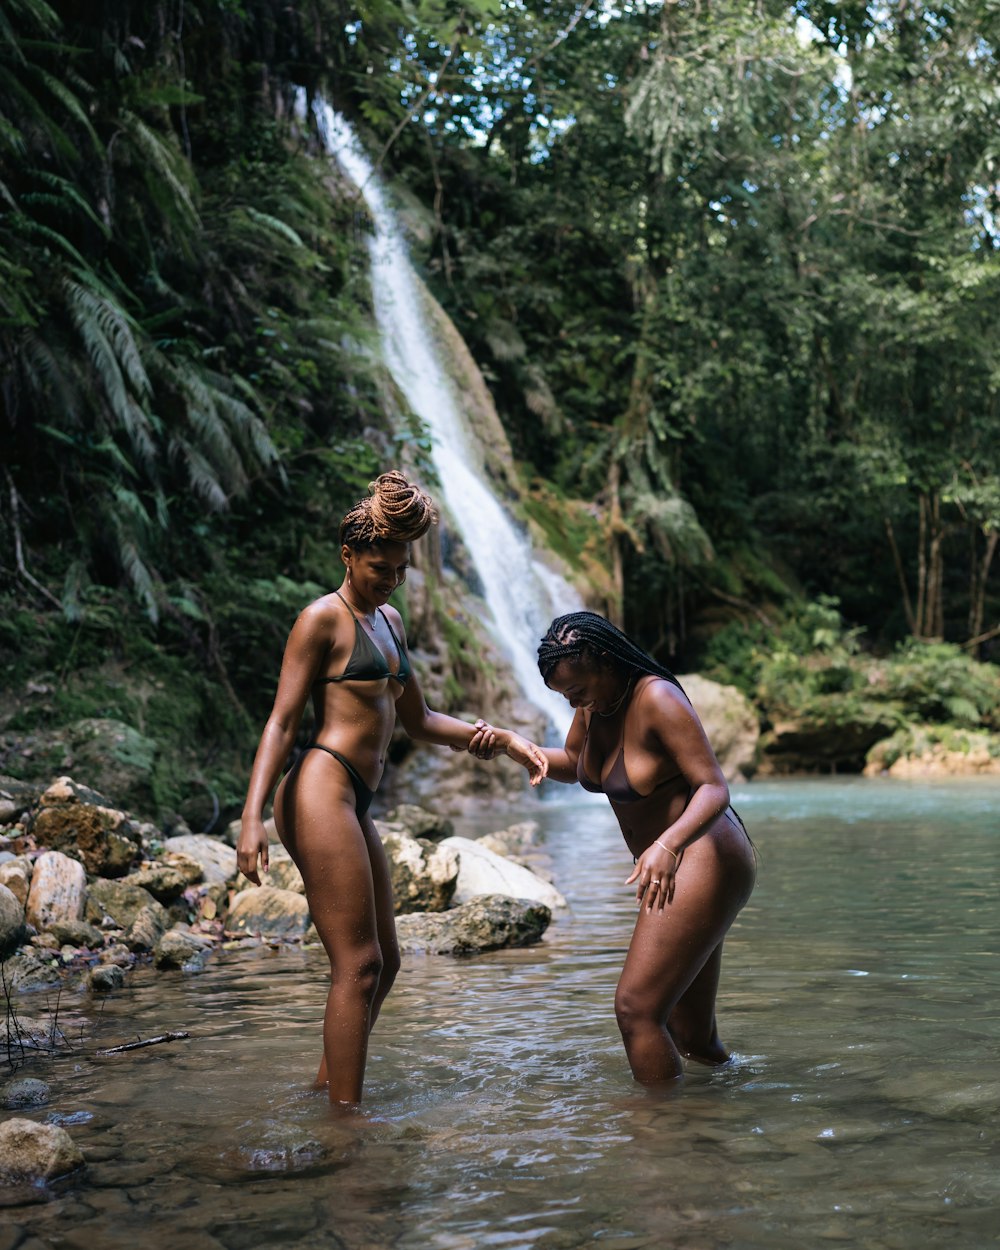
point(940, 683)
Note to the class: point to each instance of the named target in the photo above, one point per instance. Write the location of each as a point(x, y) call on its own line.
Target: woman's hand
point(655, 872)
point(488, 742)
point(484, 744)
point(252, 843)
point(526, 753)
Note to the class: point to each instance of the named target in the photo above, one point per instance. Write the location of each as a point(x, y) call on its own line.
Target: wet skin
point(339, 854)
point(694, 868)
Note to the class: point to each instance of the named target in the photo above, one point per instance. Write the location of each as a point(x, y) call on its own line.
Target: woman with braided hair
point(347, 650)
point(636, 738)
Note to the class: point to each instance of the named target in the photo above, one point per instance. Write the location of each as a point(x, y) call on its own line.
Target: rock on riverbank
point(114, 891)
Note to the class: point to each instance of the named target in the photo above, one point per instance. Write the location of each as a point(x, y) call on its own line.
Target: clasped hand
point(488, 741)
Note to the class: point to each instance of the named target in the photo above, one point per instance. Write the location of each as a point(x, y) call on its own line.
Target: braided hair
point(587, 635)
point(395, 510)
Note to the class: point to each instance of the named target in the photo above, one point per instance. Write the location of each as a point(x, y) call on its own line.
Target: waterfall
point(522, 595)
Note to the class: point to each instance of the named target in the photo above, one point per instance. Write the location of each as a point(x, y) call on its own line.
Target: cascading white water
point(522, 595)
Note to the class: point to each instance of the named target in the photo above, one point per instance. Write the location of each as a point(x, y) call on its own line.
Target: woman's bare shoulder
point(324, 615)
point(664, 703)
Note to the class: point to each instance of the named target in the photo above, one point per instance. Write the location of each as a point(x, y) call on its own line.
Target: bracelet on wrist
point(677, 858)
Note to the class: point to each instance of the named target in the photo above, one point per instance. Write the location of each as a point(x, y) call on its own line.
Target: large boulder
point(216, 858)
point(729, 721)
point(31, 1152)
point(482, 871)
point(11, 920)
point(128, 907)
point(268, 912)
point(58, 891)
point(424, 874)
point(418, 822)
point(486, 923)
point(79, 822)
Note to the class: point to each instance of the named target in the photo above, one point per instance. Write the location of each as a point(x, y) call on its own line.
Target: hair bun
point(395, 511)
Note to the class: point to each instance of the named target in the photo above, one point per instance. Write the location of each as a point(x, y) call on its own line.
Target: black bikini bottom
point(362, 795)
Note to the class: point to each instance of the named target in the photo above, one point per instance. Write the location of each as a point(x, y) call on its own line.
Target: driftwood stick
point(150, 1041)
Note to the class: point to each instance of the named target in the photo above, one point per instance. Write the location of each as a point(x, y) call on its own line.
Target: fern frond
point(275, 225)
point(166, 162)
point(138, 574)
point(69, 191)
point(201, 475)
point(72, 106)
point(108, 339)
point(54, 385)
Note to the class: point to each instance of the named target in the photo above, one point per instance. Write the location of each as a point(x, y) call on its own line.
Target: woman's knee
point(360, 970)
point(635, 1010)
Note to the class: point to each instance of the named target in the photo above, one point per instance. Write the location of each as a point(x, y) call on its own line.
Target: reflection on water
point(859, 994)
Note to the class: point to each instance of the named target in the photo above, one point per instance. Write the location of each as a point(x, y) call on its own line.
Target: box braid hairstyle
point(589, 635)
point(395, 511)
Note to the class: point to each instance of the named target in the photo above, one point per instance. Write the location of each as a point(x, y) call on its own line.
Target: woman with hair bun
point(348, 651)
point(637, 739)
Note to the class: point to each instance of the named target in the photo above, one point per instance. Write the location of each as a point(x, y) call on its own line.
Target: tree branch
point(19, 546)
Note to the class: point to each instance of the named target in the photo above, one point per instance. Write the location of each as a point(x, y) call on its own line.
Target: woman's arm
point(671, 728)
point(488, 740)
point(424, 725)
point(305, 650)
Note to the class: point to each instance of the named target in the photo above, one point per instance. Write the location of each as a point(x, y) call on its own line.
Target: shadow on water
point(859, 994)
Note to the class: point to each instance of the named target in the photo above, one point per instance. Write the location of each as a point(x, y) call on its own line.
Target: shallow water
point(859, 996)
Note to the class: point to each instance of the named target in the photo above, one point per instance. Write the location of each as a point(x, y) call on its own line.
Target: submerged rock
point(180, 948)
point(274, 1147)
point(488, 922)
point(105, 978)
point(31, 1152)
point(481, 871)
point(24, 1091)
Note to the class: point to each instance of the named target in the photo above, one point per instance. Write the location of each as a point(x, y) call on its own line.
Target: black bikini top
point(367, 663)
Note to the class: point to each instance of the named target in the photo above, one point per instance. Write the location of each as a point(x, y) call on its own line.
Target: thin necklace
point(618, 702)
point(368, 620)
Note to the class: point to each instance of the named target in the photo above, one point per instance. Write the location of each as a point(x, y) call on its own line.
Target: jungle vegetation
point(730, 269)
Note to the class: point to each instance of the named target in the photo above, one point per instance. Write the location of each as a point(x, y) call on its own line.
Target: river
point(859, 996)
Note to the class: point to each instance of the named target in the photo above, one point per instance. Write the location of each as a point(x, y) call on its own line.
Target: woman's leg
point(318, 824)
point(666, 994)
point(692, 1024)
point(384, 916)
